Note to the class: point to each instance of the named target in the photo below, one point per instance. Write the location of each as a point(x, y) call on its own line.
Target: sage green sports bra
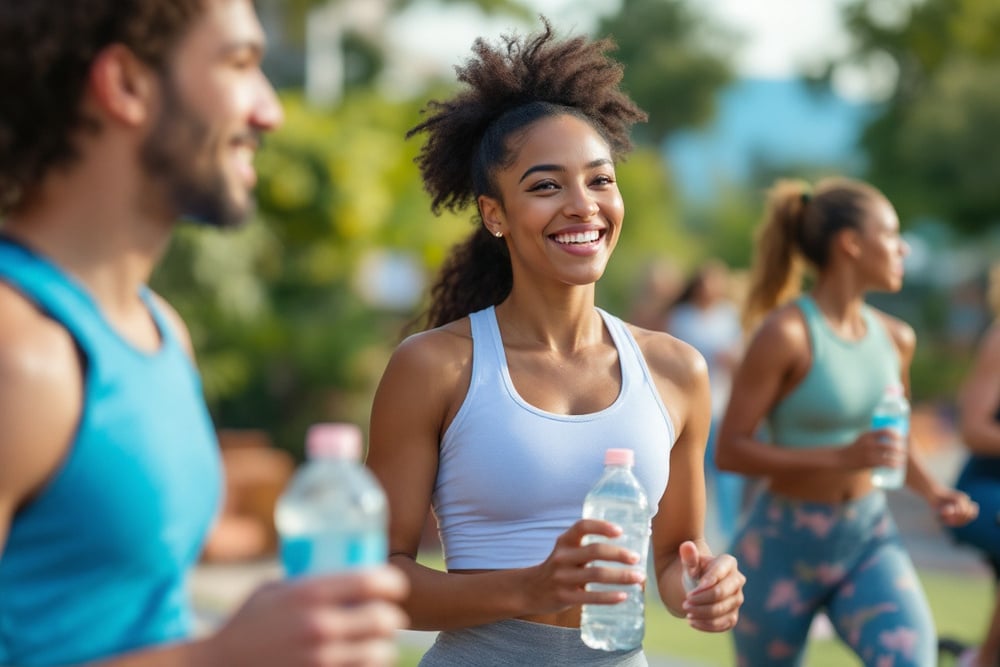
point(834, 402)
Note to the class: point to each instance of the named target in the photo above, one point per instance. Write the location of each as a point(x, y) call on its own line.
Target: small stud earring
point(498, 233)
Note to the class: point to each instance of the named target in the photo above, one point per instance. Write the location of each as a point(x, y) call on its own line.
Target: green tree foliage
point(674, 62)
point(300, 7)
point(296, 11)
point(724, 228)
point(935, 148)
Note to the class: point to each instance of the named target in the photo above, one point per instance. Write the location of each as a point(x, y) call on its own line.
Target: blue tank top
point(834, 402)
point(512, 477)
point(96, 564)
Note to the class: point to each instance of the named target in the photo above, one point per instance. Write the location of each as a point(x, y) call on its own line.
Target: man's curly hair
point(508, 87)
point(46, 50)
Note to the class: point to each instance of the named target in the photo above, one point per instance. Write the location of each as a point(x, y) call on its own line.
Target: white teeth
point(244, 153)
point(578, 237)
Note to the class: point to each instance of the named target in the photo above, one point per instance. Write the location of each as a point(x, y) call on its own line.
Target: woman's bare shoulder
point(668, 356)
point(901, 333)
point(436, 361)
point(781, 337)
point(441, 345)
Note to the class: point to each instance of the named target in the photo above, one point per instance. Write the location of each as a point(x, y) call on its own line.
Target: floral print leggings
point(845, 558)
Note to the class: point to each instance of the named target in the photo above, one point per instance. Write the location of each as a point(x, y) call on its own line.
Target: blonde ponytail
point(776, 272)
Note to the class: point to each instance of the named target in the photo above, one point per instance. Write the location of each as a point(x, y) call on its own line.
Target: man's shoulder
point(35, 350)
point(40, 393)
point(26, 330)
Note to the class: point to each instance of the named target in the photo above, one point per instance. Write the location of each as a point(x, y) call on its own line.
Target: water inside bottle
point(333, 551)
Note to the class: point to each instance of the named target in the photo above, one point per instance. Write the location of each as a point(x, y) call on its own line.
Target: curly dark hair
point(46, 51)
point(509, 86)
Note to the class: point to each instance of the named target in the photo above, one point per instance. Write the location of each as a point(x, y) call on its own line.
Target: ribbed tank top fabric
point(834, 402)
point(96, 564)
point(512, 477)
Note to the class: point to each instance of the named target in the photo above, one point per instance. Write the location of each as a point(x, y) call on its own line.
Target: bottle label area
point(333, 552)
point(886, 477)
point(899, 424)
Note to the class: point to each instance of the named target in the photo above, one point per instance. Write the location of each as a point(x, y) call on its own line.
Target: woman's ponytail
point(776, 273)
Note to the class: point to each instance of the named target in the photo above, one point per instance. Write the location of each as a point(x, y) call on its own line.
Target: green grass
point(961, 604)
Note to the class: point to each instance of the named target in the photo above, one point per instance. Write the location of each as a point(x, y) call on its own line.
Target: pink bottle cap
point(619, 457)
point(334, 440)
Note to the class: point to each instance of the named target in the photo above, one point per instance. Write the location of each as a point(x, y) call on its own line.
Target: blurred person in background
point(119, 118)
point(498, 416)
point(660, 282)
point(819, 537)
point(705, 317)
point(979, 422)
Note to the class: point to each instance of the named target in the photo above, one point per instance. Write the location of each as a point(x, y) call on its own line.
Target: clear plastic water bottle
point(333, 514)
point(892, 412)
point(619, 498)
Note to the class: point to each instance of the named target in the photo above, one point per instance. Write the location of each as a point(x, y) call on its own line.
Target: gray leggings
point(514, 643)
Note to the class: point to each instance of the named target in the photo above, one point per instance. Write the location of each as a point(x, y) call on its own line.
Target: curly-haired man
point(119, 118)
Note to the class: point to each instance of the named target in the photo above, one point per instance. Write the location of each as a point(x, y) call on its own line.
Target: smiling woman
point(560, 204)
point(498, 415)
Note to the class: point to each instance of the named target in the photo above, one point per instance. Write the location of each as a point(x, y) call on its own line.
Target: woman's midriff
point(567, 618)
point(822, 487)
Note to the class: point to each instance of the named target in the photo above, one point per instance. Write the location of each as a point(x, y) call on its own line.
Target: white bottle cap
point(333, 440)
point(619, 457)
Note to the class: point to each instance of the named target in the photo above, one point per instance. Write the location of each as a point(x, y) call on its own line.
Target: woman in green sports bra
point(820, 537)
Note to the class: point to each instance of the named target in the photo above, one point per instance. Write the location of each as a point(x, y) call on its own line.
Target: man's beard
point(178, 151)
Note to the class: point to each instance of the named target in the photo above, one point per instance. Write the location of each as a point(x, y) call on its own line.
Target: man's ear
point(491, 212)
point(121, 86)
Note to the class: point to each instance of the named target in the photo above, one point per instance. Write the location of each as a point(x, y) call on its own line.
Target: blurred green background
point(294, 316)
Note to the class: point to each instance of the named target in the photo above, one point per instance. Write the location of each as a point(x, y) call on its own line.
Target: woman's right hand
point(559, 582)
point(878, 448)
